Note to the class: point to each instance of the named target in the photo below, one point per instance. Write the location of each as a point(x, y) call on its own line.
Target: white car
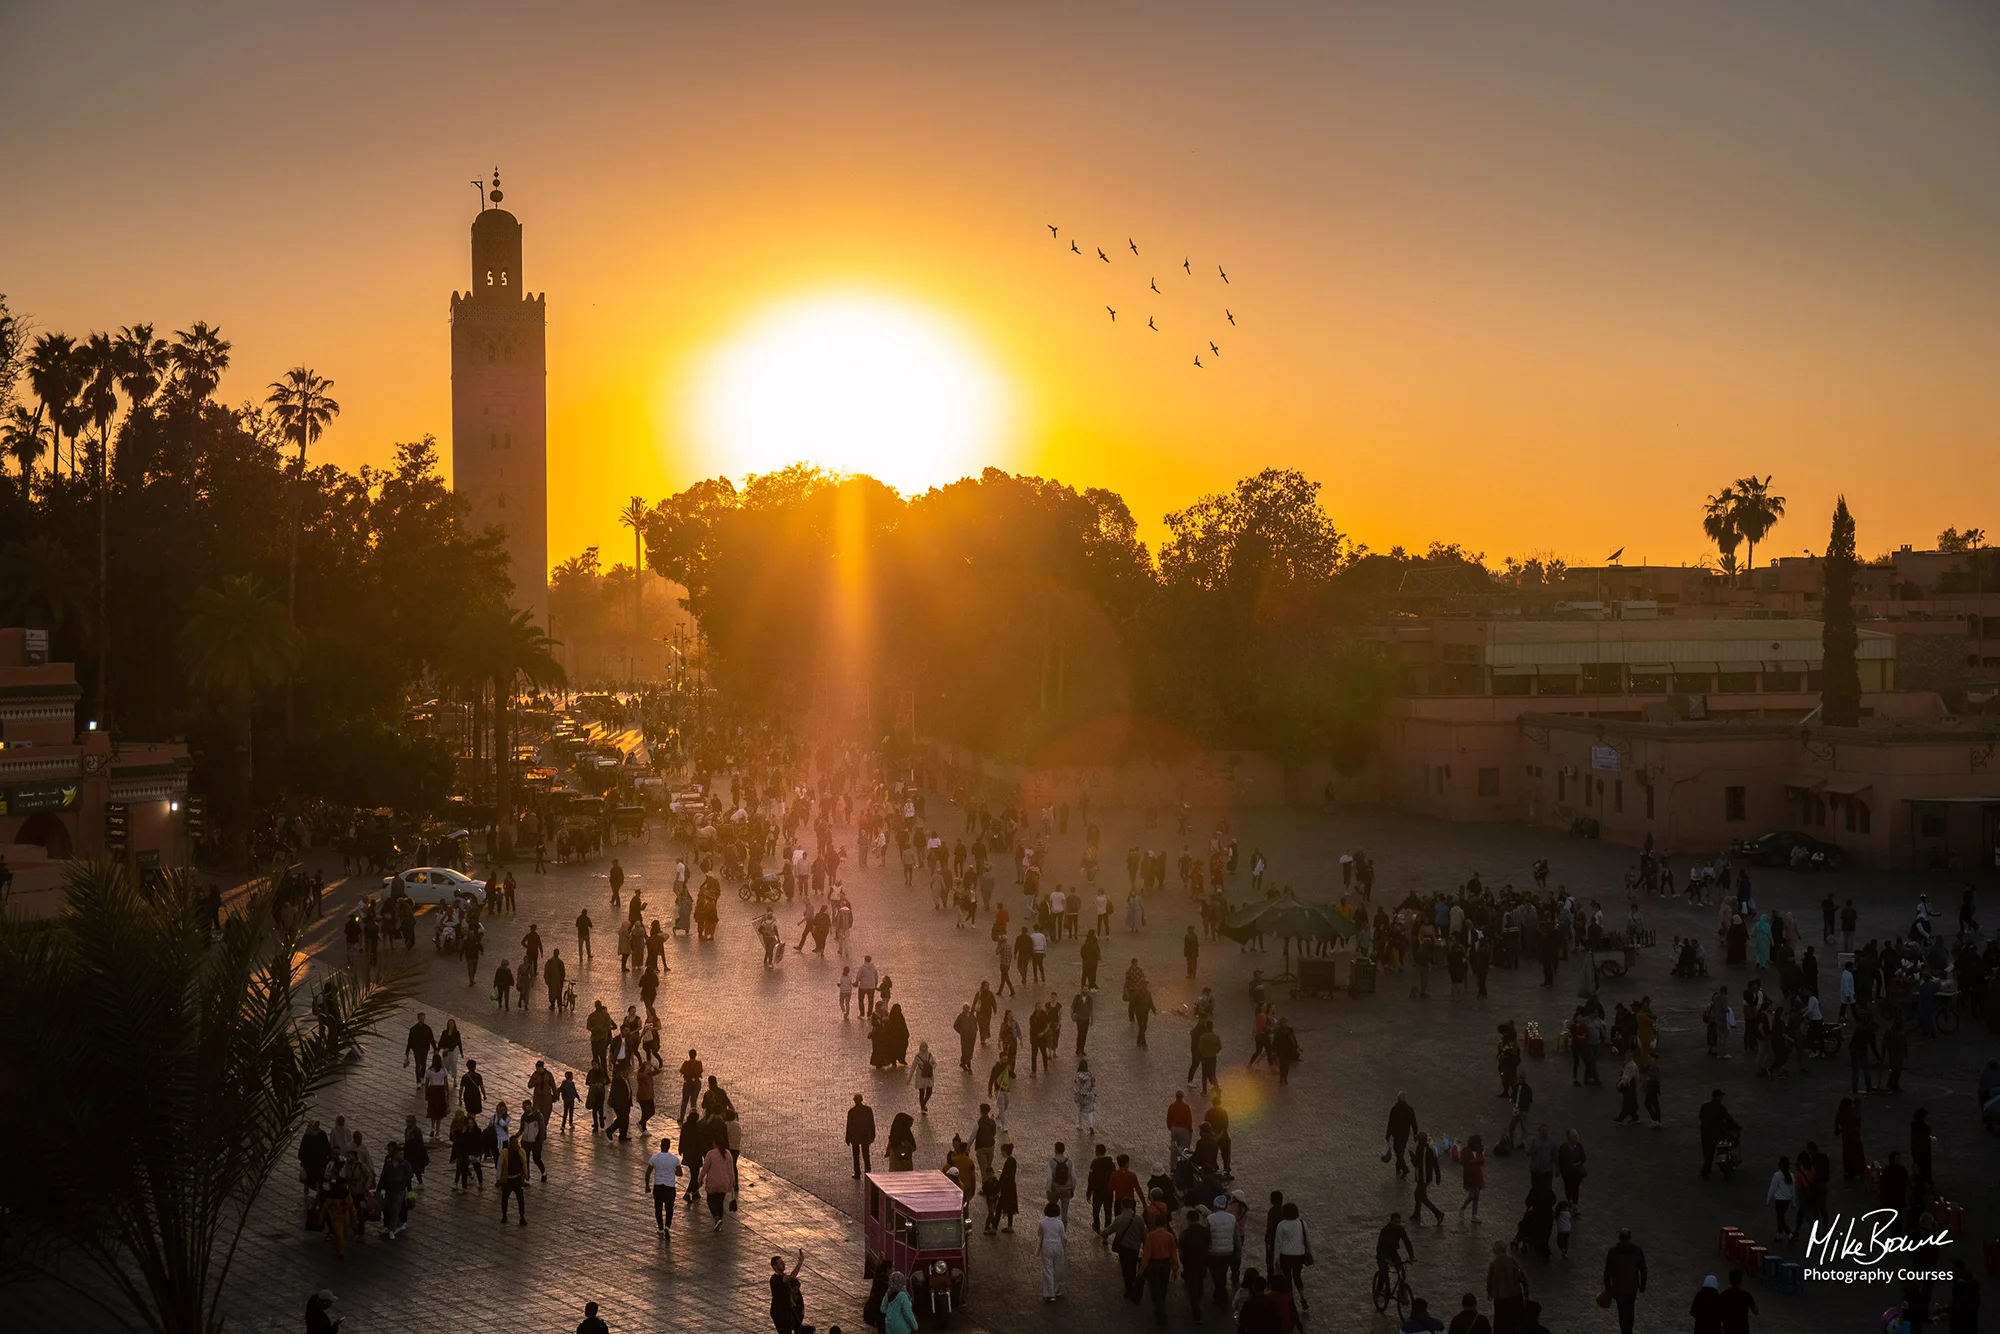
point(435, 884)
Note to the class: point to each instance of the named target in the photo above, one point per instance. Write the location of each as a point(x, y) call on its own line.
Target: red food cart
point(916, 1226)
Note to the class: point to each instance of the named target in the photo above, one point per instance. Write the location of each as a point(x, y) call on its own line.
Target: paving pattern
point(777, 1039)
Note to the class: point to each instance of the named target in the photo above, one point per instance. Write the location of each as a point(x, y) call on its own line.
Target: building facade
point(499, 403)
point(69, 793)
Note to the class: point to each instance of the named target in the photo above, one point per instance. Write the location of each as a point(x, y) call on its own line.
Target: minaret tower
point(499, 402)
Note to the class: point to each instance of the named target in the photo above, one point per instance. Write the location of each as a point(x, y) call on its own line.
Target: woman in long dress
point(1086, 1095)
point(1763, 941)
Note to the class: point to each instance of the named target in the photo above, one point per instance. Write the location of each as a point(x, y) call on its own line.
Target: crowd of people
point(793, 829)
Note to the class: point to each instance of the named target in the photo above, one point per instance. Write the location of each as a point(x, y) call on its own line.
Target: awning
point(1805, 783)
point(1650, 669)
point(1849, 785)
point(1558, 669)
point(1953, 801)
point(1787, 667)
point(1696, 668)
point(1520, 670)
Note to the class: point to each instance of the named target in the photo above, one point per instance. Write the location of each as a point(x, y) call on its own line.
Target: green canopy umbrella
point(1288, 918)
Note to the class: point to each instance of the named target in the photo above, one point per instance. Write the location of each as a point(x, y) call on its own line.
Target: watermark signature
point(1853, 1250)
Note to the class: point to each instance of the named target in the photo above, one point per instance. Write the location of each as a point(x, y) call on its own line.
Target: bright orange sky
point(1526, 277)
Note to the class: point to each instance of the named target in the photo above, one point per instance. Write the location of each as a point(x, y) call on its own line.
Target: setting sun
point(854, 382)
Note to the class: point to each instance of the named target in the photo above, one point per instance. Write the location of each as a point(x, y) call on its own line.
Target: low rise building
point(68, 791)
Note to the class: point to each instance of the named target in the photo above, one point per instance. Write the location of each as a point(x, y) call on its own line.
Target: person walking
point(718, 1179)
point(1062, 1180)
point(662, 1174)
point(861, 1135)
point(923, 1077)
point(1160, 1258)
point(1294, 1251)
point(1086, 1096)
point(513, 1179)
point(1625, 1278)
point(1472, 1166)
point(1052, 1238)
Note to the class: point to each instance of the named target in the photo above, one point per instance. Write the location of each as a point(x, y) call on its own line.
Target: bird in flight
point(1188, 266)
point(1150, 325)
point(1225, 276)
point(1197, 361)
point(1114, 315)
point(1101, 255)
point(1052, 231)
point(1216, 350)
point(1073, 249)
point(1134, 244)
point(1153, 283)
point(1232, 318)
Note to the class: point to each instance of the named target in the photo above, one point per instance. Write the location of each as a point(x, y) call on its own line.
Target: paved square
point(776, 1038)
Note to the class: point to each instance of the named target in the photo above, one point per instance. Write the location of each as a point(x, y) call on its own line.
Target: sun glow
point(856, 383)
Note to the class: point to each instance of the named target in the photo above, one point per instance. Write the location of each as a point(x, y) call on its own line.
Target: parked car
point(435, 884)
point(1776, 849)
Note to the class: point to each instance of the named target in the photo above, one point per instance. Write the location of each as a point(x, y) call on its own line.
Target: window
point(1735, 803)
point(1489, 782)
point(1693, 683)
point(1737, 683)
point(1815, 810)
point(1511, 685)
point(1600, 678)
point(1649, 683)
point(1555, 684)
point(1618, 795)
point(1649, 801)
point(1783, 682)
point(1859, 809)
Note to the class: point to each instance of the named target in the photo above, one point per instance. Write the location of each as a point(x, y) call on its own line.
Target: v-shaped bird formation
point(1187, 284)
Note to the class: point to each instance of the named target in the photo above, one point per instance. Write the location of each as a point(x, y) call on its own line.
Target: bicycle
point(1398, 1292)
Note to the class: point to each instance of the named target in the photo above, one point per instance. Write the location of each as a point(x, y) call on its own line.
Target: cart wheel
point(1946, 1020)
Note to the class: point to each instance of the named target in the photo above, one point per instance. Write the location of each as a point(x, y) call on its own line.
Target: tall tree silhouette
point(302, 407)
point(1718, 521)
point(1756, 512)
point(55, 373)
point(236, 642)
point(1840, 675)
point(634, 516)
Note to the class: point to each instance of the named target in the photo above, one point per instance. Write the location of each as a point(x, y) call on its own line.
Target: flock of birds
point(1153, 285)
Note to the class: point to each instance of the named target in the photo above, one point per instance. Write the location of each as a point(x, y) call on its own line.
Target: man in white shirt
point(1040, 945)
point(1223, 1236)
point(661, 1170)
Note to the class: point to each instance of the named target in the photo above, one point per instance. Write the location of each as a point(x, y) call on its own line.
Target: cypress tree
point(1840, 678)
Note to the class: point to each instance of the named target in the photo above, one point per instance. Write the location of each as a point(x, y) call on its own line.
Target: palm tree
point(303, 409)
point(1757, 511)
point(497, 646)
point(1718, 520)
point(218, 1060)
point(633, 516)
point(103, 363)
point(41, 587)
point(26, 437)
point(236, 642)
point(198, 357)
point(144, 360)
point(55, 373)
